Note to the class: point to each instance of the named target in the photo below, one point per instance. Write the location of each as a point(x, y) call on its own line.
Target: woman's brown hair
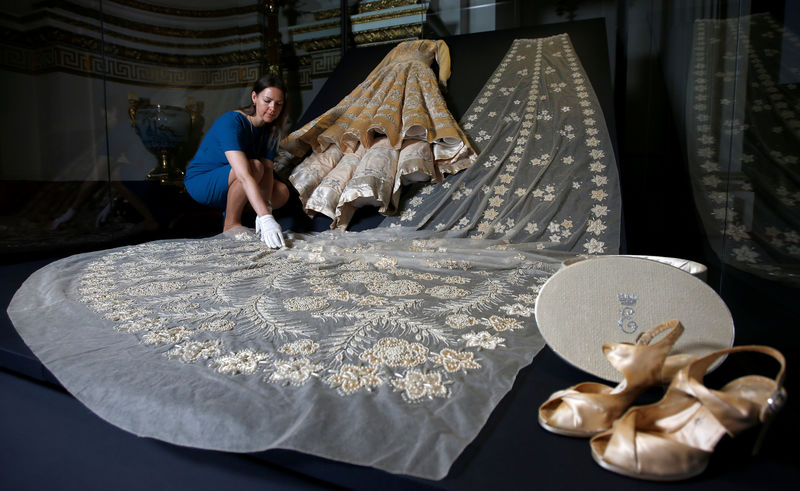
point(271, 80)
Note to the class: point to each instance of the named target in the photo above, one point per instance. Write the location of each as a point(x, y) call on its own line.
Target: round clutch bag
point(616, 298)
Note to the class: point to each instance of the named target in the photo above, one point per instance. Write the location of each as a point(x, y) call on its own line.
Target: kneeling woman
point(233, 166)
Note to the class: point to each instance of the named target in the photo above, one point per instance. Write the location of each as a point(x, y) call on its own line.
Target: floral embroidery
point(143, 324)
point(125, 315)
point(456, 280)
point(453, 361)
point(517, 309)
point(503, 323)
point(300, 347)
point(364, 277)
point(395, 288)
point(586, 139)
point(296, 371)
point(241, 362)
point(217, 325)
point(192, 351)
point(416, 385)
point(315, 312)
point(152, 289)
point(460, 321)
point(305, 303)
point(371, 300)
point(446, 291)
point(482, 339)
point(174, 335)
point(351, 378)
point(594, 246)
point(395, 352)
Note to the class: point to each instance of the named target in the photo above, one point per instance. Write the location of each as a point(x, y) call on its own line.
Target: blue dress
point(207, 174)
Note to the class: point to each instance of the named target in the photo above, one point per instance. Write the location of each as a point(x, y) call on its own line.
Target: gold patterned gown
point(391, 130)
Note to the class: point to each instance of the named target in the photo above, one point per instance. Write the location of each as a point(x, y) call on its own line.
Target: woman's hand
point(270, 231)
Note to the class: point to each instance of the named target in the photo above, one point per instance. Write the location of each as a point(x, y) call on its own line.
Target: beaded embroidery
point(352, 324)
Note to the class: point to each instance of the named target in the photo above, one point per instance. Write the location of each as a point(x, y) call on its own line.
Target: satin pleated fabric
point(391, 130)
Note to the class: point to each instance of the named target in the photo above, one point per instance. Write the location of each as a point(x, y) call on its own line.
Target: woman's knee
point(257, 169)
point(280, 194)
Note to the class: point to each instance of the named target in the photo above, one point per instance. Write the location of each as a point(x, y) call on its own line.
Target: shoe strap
point(724, 406)
point(674, 325)
point(642, 363)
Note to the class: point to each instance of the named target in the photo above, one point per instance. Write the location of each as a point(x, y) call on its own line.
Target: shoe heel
point(774, 405)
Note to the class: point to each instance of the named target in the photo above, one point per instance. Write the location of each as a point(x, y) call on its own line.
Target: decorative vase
point(164, 130)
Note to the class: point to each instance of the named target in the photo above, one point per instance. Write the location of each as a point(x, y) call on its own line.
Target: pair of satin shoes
point(674, 438)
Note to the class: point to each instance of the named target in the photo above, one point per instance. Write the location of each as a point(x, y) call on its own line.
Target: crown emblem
point(627, 299)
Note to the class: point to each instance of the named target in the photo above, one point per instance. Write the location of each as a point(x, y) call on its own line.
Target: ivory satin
point(391, 130)
point(674, 438)
point(588, 408)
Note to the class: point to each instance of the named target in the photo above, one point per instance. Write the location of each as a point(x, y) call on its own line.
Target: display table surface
point(50, 439)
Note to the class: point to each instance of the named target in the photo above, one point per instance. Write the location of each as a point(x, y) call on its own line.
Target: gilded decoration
point(327, 14)
point(82, 52)
point(364, 7)
point(132, 72)
point(314, 28)
point(323, 63)
point(372, 14)
point(390, 15)
point(319, 44)
point(388, 34)
point(78, 54)
point(48, 34)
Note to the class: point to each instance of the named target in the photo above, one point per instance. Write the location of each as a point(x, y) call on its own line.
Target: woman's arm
point(244, 174)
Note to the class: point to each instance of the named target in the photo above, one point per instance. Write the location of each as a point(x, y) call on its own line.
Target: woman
point(234, 164)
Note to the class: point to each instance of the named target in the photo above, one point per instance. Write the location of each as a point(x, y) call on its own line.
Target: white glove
point(270, 231)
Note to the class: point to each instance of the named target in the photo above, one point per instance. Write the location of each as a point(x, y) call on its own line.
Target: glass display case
point(104, 102)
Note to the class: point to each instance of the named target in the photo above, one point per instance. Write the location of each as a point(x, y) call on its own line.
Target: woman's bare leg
point(280, 194)
point(237, 197)
point(234, 207)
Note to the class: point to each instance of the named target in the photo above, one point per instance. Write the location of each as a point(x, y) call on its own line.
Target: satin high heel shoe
point(586, 409)
point(673, 439)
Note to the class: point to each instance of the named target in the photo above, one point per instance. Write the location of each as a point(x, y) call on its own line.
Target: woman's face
point(269, 103)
